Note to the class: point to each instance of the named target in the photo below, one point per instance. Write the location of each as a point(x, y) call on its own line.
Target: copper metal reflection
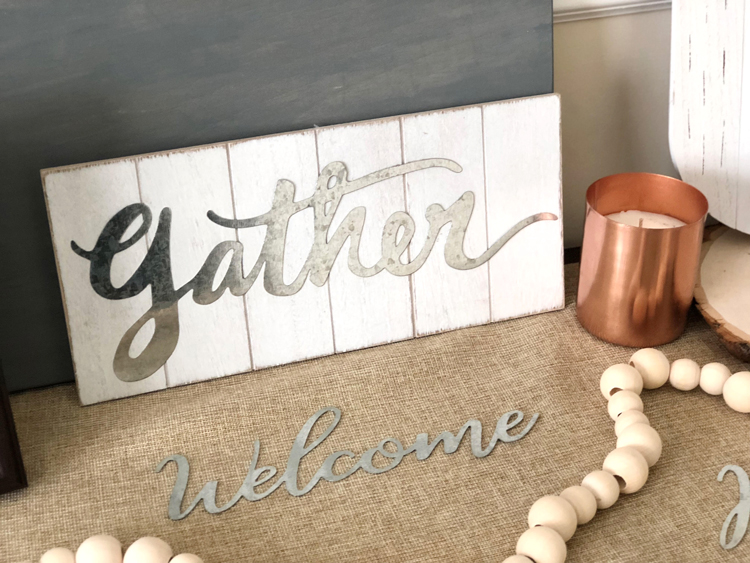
point(636, 284)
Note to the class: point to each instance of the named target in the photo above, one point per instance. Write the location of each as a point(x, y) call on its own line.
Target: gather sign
point(206, 287)
point(403, 227)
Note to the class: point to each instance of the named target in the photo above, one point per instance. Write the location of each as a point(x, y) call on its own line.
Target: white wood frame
point(510, 154)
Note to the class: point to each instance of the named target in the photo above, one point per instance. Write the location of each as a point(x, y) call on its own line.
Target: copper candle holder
point(636, 284)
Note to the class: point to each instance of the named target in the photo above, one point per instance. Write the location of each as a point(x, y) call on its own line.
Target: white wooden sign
point(709, 116)
point(211, 261)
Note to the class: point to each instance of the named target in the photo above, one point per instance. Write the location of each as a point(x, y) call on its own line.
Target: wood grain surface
point(367, 311)
point(256, 165)
point(721, 292)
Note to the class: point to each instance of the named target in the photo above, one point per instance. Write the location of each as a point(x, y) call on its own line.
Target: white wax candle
point(645, 219)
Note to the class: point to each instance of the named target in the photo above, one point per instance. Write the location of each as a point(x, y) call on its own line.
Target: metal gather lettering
point(332, 185)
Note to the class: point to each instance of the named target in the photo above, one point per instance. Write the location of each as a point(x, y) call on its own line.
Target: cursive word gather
point(389, 449)
point(741, 512)
point(333, 184)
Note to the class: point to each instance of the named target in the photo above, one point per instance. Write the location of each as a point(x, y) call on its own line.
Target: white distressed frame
point(709, 113)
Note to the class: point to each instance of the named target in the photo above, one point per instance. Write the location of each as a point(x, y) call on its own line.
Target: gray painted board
point(83, 81)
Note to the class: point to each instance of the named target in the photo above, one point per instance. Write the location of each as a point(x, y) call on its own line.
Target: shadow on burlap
point(92, 469)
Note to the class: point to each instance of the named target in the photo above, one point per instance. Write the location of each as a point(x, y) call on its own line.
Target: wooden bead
point(583, 502)
point(629, 467)
point(713, 378)
point(737, 392)
point(629, 418)
point(644, 439)
point(190, 558)
point(556, 513)
point(653, 366)
point(623, 401)
point(685, 375)
point(148, 550)
point(100, 549)
point(542, 545)
point(58, 555)
point(517, 559)
point(619, 377)
point(604, 486)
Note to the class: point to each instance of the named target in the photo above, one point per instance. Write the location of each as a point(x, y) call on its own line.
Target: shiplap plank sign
point(195, 264)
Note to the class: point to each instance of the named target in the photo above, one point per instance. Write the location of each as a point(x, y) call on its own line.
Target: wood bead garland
point(187, 558)
point(623, 401)
point(685, 375)
point(604, 486)
point(638, 447)
point(542, 545)
point(100, 549)
point(628, 418)
point(148, 550)
point(58, 555)
point(713, 378)
point(629, 467)
point(517, 559)
point(620, 377)
point(644, 439)
point(556, 513)
point(653, 366)
point(737, 392)
point(583, 502)
point(106, 549)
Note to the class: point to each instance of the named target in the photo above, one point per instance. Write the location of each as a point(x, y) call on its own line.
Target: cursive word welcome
point(394, 453)
point(741, 512)
point(332, 185)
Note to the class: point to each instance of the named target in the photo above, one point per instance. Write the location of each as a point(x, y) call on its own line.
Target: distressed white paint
point(461, 298)
point(213, 339)
point(79, 202)
point(742, 210)
point(375, 310)
point(510, 155)
point(304, 318)
point(522, 155)
point(709, 120)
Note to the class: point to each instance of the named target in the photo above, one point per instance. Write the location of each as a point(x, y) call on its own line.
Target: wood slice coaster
point(722, 292)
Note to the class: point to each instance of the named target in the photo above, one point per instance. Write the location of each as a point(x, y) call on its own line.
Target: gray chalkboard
point(84, 80)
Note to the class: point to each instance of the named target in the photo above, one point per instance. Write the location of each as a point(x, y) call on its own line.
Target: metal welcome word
point(389, 449)
point(741, 512)
point(332, 185)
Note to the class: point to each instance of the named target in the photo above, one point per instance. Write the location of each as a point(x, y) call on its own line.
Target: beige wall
point(613, 77)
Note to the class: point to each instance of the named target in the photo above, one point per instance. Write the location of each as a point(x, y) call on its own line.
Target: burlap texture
point(92, 469)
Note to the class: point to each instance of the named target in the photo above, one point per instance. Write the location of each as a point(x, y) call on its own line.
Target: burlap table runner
point(92, 469)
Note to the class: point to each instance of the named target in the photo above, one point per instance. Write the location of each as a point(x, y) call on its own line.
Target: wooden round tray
point(722, 292)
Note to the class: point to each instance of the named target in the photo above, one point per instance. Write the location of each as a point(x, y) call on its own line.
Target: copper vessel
point(636, 284)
